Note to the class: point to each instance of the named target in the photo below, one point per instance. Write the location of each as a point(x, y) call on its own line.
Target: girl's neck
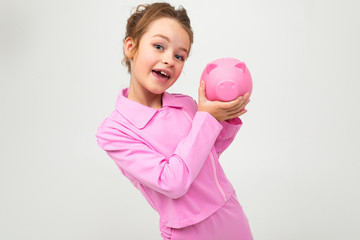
point(144, 97)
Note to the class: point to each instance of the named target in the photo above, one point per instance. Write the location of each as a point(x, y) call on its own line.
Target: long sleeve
point(171, 176)
point(227, 134)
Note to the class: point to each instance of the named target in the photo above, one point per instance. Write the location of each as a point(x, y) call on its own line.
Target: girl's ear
point(128, 47)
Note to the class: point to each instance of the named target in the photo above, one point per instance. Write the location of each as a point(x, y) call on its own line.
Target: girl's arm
point(171, 176)
point(227, 134)
point(227, 113)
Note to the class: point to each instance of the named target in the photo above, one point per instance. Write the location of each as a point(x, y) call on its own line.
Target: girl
point(166, 144)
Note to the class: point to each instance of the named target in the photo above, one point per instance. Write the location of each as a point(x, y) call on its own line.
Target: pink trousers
point(228, 223)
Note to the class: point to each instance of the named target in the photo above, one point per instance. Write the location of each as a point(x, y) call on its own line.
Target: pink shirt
point(171, 155)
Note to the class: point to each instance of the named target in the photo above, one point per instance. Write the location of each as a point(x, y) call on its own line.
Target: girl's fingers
point(232, 104)
point(245, 100)
point(236, 111)
point(238, 114)
point(222, 110)
point(244, 104)
point(202, 93)
point(241, 105)
point(242, 112)
point(240, 100)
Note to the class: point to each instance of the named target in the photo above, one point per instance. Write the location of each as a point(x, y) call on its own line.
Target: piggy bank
point(226, 79)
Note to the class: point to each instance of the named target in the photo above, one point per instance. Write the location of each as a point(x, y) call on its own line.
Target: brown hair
point(144, 15)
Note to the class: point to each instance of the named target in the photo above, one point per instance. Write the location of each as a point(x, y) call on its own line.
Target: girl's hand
point(222, 110)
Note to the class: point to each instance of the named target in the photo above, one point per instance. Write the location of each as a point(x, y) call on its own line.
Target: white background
point(294, 163)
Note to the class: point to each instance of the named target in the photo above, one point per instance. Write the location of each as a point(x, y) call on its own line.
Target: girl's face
point(160, 57)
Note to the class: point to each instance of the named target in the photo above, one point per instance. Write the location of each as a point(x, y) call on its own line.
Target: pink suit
point(171, 156)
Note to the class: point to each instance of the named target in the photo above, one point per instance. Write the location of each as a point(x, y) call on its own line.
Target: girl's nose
point(168, 59)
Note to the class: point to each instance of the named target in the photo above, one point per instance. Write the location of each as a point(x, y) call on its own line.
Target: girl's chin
point(157, 90)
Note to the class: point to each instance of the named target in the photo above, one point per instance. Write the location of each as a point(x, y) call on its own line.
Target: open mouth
point(161, 74)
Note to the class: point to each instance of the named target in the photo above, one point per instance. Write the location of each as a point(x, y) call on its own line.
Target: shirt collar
point(139, 115)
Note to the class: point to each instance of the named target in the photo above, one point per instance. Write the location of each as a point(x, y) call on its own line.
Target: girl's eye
point(181, 58)
point(158, 46)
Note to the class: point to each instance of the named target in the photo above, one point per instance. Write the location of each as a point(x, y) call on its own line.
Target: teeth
point(164, 73)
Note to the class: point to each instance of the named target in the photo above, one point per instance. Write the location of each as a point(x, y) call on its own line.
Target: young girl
point(166, 144)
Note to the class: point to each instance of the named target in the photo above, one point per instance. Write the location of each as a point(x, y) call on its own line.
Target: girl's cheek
point(178, 73)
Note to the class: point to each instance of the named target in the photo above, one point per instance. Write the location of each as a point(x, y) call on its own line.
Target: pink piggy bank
point(226, 79)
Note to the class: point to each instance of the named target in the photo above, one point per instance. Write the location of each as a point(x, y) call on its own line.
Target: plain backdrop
point(294, 164)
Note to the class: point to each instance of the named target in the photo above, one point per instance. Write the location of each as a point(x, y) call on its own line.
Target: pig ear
point(210, 67)
point(241, 65)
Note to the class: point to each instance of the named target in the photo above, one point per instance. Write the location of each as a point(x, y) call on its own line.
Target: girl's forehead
point(163, 25)
point(170, 28)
